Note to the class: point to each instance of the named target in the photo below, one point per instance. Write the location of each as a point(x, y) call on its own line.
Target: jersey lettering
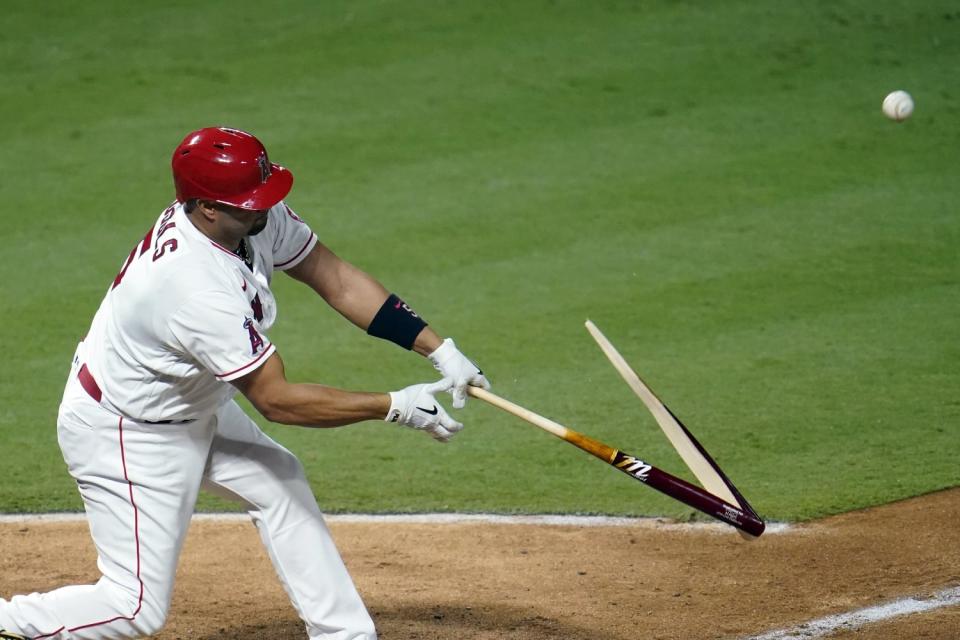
point(172, 243)
point(167, 214)
point(145, 244)
point(166, 227)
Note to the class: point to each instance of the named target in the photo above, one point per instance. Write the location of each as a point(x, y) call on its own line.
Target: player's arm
point(316, 405)
point(366, 303)
point(355, 294)
point(279, 400)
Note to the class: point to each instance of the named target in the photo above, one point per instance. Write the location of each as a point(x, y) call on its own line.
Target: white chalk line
point(444, 518)
point(851, 620)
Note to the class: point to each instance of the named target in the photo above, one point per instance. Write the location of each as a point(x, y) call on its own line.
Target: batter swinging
point(148, 415)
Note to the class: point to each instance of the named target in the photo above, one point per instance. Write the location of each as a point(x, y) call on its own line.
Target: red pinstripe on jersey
point(281, 265)
point(225, 250)
point(268, 351)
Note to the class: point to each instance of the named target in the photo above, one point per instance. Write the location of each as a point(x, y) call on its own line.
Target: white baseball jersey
point(185, 315)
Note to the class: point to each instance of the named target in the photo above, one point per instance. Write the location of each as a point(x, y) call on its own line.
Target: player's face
point(242, 222)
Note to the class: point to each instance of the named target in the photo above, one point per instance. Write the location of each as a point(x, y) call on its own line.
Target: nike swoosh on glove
point(452, 364)
point(416, 407)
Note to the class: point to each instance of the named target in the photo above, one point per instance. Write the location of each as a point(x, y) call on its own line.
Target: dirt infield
point(485, 581)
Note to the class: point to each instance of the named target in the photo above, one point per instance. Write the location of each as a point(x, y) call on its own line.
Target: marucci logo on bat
point(634, 466)
point(731, 514)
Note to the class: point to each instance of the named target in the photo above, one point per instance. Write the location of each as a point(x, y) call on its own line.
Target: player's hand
point(452, 364)
point(416, 407)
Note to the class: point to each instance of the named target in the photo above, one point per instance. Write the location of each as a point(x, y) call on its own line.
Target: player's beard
point(258, 226)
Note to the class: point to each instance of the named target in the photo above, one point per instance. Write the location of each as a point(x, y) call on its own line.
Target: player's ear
point(206, 209)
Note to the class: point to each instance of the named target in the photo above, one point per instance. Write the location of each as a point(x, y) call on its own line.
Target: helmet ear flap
point(229, 166)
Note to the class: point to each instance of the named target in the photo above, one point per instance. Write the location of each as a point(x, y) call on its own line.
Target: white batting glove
point(448, 360)
point(416, 407)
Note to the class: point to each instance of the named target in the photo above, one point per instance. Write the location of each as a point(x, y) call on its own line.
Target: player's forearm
point(309, 405)
point(359, 297)
point(360, 301)
point(314, 405)
point(353, 293)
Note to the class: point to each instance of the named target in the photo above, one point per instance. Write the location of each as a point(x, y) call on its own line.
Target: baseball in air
point(898, 106)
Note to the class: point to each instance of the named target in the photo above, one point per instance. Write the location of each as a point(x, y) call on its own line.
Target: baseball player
point(148, 416)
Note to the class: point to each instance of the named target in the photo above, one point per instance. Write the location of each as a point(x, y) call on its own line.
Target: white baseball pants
point(139, 483)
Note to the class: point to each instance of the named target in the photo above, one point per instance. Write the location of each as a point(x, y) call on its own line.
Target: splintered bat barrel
point(666, 483)
point(696, 457)
point(689, 494)
point(637, 469)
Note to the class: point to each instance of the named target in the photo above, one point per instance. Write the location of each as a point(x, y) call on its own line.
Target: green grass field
point(712, 183)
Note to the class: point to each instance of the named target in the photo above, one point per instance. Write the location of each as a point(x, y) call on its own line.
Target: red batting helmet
point(229, 166)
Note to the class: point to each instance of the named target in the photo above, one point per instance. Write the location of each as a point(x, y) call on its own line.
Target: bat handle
point(588, 444)
point(535, 419)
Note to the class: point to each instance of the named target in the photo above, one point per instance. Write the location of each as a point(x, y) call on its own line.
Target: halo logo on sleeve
point(256, 341)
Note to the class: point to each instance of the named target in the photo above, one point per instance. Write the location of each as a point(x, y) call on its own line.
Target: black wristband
point(396, 322)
